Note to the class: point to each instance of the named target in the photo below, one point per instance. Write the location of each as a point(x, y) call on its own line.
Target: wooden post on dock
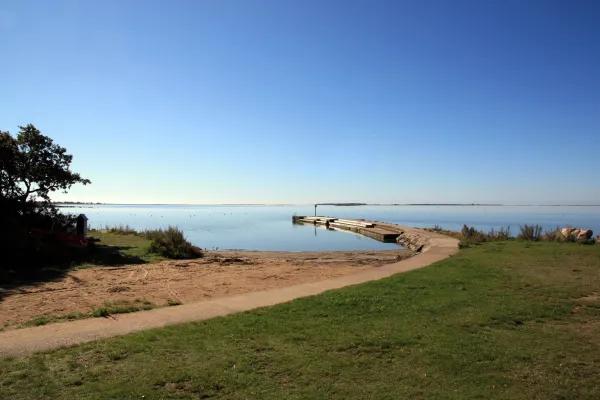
point(315, 210)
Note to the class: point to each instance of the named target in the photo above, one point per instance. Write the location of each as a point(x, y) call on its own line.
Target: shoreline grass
point(510, 319)
point(469, 235)
point(169, 242)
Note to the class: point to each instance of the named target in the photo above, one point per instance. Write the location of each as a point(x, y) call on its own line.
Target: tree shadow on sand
point(54, 264)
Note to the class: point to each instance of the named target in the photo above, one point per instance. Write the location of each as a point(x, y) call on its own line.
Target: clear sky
point(284, 101)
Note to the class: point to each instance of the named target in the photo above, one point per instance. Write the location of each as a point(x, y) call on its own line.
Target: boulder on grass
point(585, 234)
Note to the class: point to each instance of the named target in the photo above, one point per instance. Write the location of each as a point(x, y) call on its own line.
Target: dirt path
point(29, 340)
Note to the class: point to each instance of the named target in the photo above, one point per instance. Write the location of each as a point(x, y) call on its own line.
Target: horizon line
point(339, 204)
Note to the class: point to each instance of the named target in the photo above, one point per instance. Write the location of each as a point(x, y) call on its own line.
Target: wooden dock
point(383, 233)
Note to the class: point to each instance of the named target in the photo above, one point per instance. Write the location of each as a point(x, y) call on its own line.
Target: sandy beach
point(220, 273)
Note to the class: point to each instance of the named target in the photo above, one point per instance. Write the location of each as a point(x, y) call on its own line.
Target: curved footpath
point(52, 336)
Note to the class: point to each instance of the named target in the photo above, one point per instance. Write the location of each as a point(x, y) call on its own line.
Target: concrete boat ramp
point(383, 232)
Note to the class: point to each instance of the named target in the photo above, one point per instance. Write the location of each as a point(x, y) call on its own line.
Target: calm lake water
point(271, 228)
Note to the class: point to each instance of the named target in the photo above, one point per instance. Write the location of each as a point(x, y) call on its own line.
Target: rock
point(598, 239)
point(577, 234)
point(570, 232)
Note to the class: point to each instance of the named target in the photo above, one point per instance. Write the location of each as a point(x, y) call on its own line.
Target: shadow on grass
point(53, 263)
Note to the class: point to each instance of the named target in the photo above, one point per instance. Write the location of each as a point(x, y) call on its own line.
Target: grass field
point(115, 248)
point(504, 320)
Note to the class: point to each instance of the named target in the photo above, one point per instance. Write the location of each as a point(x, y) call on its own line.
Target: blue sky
point(310, 101)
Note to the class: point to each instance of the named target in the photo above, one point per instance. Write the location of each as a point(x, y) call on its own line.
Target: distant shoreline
point(81, 204)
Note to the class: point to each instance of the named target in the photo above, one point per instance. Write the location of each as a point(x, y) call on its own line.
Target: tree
point(8, 171)
point(32, 167)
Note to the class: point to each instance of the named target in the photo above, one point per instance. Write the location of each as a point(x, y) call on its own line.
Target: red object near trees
point(70, 240)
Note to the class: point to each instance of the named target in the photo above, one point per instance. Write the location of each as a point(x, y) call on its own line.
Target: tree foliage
point(32, 167)
point(8, 165)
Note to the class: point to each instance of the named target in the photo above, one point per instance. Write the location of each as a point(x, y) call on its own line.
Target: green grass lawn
point(115, 248)
point(503, 320)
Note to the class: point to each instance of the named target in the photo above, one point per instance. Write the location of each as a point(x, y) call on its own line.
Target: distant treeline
point(448, 204)
point(342, 204)
point(73, 202)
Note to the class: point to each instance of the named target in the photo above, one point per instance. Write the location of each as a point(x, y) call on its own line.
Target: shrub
point(502, 234)
point(554, 235)
point(101, 312)
point(530, 233)
point(470, 235)
point(466, 231)
point(171, 243)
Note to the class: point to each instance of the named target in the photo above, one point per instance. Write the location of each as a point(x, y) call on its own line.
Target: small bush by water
point(553, 235)
point(530, 233)
point(470, 235)
point(171, 243)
